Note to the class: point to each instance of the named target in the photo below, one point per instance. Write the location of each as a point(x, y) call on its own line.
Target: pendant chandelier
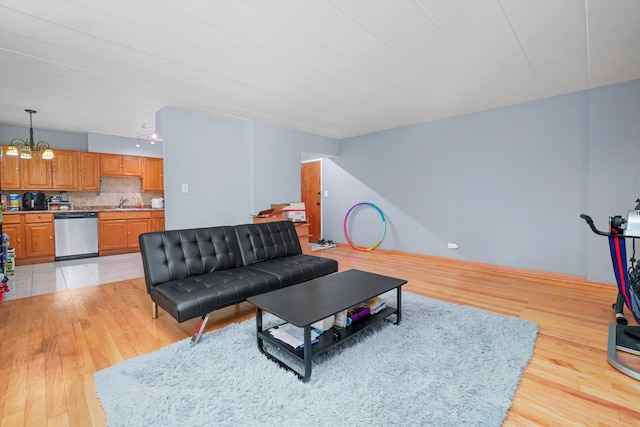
point(27, 149)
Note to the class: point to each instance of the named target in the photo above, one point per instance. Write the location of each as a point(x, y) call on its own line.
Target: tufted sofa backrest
point(267, 240)
point(177, 254)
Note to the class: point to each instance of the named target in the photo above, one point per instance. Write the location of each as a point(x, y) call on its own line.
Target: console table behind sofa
point(192, 272)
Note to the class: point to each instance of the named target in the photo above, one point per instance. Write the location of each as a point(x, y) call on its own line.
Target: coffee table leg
point(399, 306)
point(307, 353)
point(259, 328)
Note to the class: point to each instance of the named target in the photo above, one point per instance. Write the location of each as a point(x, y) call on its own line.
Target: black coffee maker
point(34, 201)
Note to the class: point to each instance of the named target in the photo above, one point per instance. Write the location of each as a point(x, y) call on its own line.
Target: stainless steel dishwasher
point(76, 235)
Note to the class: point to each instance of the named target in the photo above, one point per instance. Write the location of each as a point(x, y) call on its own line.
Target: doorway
point(311, 181)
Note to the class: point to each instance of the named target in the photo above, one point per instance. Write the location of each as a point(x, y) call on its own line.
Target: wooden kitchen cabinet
point(157, 221)
point(119, 231)
point(31, 235)
point(59, 173)
point(112, 235)
point(64, 170)
point(136, 228)
point(110, 164)
point(152, 174)
point(36, 173)
point(13, 228)
point(117, 165)
point(38, 236)
point(10, 171)
point(88, 171)
point(131, 166)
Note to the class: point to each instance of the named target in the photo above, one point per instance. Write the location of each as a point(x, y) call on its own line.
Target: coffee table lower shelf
point(326, 341)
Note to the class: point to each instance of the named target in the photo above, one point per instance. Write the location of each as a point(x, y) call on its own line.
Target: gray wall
point(613, 168)
point(507, 185)
point(233, 168)
point(277, 153)
point(214, 158)
point(113, 144)
point(94, 142)
point(56, 139)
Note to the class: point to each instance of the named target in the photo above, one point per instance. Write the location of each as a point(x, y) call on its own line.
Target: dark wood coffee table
point(309, 302)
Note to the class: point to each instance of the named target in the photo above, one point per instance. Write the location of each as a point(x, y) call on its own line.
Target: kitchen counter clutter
point(91, 209)
point(32, 233)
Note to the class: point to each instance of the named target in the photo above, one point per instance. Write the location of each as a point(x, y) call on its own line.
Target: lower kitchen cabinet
point(32, 237)
point(13, 228)
point(118, 232)
point(32, 234)
point(38, 236)
point(157, 221)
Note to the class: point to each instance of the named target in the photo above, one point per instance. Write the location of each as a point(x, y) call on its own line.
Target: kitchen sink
point(124, 208)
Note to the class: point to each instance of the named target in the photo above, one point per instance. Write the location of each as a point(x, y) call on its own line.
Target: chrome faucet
point(122, 200)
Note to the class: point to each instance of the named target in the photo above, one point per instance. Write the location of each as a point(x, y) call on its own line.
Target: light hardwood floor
point(50, 345)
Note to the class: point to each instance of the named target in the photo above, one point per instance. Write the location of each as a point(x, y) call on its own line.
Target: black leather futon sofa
point(192, 272)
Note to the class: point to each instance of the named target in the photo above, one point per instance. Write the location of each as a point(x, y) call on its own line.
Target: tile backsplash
point(112, 189)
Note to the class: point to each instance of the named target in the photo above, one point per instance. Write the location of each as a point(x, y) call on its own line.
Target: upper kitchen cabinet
point(64, 170)
point(36, 173)
point(59, 173)
point(88, 171)
point(153, 174)
point(117, 165)
point(9, 172)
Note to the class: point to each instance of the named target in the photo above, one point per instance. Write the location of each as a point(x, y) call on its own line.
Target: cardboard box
point(296, 212)
point(269, 215)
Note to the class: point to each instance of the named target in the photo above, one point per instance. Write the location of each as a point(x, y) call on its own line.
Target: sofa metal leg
point(154, 310)
point(198, 332)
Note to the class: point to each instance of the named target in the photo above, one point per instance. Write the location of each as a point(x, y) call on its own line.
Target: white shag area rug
point(443, 365)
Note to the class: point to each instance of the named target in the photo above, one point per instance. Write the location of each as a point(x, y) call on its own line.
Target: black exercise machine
point(623, 337)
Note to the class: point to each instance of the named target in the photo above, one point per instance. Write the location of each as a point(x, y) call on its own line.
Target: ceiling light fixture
point(148, 135)
point(151, 139)
point(26, 149)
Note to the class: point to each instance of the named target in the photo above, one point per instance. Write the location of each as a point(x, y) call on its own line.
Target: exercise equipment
point(384, 227)
point(623, 337)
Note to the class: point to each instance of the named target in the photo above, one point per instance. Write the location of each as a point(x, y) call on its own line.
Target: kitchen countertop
point(89, 209)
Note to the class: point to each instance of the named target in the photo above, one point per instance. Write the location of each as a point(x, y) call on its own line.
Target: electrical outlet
point(185, 188)
point(452, 245)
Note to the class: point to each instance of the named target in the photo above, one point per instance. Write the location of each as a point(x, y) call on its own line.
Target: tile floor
point(58, 276)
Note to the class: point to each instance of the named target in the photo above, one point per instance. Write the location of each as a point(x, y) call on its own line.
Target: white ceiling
point(336, 68)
